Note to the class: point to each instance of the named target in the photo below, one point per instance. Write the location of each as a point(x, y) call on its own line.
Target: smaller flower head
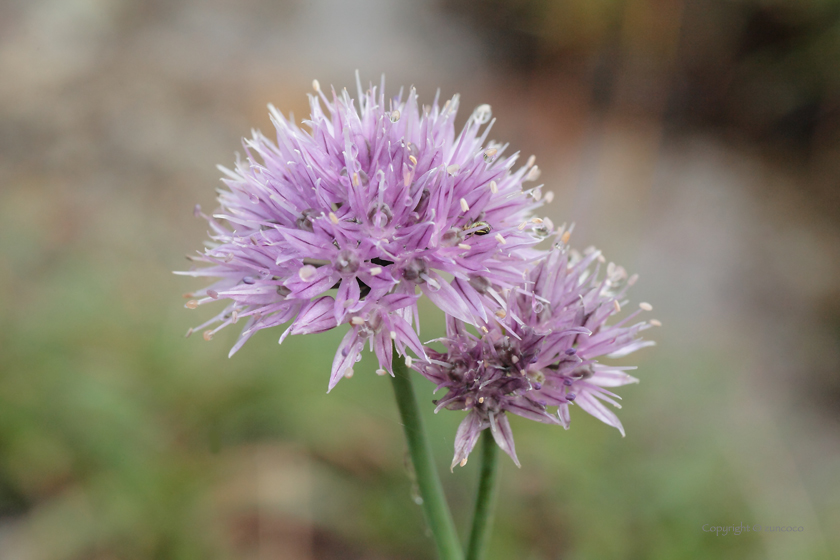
point(540, 356)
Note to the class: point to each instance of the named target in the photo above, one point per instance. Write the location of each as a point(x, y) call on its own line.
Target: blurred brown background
point(696, 142)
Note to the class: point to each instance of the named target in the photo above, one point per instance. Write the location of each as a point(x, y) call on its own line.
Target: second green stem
point(485, 499)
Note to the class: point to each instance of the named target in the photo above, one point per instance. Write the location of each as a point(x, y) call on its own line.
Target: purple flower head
point(542, 352)
point(347, 221)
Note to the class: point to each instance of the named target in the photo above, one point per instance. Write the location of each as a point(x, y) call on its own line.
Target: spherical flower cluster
point(542, 352)
point(348, 221)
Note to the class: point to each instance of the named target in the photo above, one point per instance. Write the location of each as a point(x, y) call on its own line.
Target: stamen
point(501, 313)
point(464, 206)
point(537, 220)
point(316, 85)
point(565, 237)
point(617, 306)
point(189, 332)
point(531, 161)
point(488, 154)
point(413, 160)
point(393, 335)
point(381, 371)
point(632, 280)
point(333, 218)
point(482, 113)
point(494, 188)
point(533, 175)
point(480, 400)
point(463, 461)
point(408, 361)
point(500, 239)
point(208, 335)
point(395, 115)
point(645, 306)
point(655, 322)
point(348, 373)
point(549, 196)
point(192, 304)
point(375, 270)
point(522, 226)
point(306, 272)
point(464, 246)
point(355, 179)
point(356, 320)
point(453, 169)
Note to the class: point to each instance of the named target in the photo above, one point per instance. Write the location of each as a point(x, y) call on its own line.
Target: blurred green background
point(695, 142)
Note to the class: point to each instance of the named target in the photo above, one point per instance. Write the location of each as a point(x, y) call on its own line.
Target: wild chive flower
point(345, 222)
point(543, 353)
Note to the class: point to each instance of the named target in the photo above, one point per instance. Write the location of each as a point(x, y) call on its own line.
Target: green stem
point(486, 498)
point(434, 502)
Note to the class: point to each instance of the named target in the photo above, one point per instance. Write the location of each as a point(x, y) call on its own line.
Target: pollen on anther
point(395, 115)
point(501, 313)
point(393, 335)
point(464, 206)
point(494, 188)
point(549, 196)
point(645, 306)
point(537, 220)
point(531, 161)
point(355, 179)
point(381, 371)
point(521, 226)
point(500, 239)
point(566, 236)
point(413, 160)
point(464, 246)
point(463, 461)
point(333, 217)
point(316, 85)
point(348, 373)
point(375, 270)
point(655, 322)
point(480, 400)
point(192, 304)
point(484, 329)
point(453, 169)
point(189, 332)
point(306, 272)
point(208, 335)
point(356, 320)
point(408, 361)
point(617, 306)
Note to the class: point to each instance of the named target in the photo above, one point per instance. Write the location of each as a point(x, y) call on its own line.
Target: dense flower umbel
point(344, 223)
point(542, 353)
